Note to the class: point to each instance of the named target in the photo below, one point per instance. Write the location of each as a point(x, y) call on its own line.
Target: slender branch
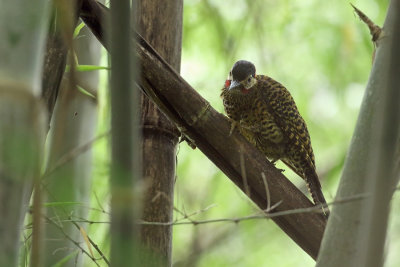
point(52, 222)
point(58, 225)
point(96, 247)
point(72, 154)
point(374, 29)
point(266, 214)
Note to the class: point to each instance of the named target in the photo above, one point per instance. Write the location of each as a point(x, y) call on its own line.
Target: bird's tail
point(314, 187)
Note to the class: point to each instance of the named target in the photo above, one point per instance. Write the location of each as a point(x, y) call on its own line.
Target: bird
point(266, 114)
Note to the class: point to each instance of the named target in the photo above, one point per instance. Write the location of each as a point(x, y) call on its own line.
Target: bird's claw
point(233, 126)
point(274, 162)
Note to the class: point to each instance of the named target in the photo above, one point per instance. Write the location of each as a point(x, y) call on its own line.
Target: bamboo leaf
point(85, 237)
point(64, 260)
point(85, 92)
point(54, 204)
point(82, 68)
point(78, 29)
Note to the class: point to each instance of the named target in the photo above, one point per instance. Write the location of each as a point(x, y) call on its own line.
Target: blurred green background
point(322, 53)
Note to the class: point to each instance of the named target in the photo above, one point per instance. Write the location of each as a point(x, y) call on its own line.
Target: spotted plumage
point(267, 116)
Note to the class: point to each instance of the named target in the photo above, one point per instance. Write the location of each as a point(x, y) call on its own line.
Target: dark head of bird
point(242, 77)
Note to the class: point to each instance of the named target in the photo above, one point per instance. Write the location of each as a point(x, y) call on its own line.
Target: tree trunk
point(22, 121)
point(73, 125)
point(356, 230)
point(160, 23)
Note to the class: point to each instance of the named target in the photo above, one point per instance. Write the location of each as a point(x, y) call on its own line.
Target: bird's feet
point(281, 170)
point(274, 162)
point(233, 126)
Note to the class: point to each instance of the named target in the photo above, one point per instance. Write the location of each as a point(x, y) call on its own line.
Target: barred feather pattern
point(269, 119)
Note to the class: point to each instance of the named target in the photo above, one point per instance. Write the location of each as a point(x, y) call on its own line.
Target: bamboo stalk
point(73, 125)
point(356, 232)
point(161, 23)
point(125, 162)
point(22, 122)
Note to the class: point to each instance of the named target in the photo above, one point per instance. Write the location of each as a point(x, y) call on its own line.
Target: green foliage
point(82, 68)
point(85, 92)
point(55, 204)
point(78, 29)
point(66, 259)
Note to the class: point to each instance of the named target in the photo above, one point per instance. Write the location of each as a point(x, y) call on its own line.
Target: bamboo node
point(200, 115)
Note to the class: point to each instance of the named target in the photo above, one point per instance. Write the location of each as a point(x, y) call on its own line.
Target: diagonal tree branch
point(209, 131)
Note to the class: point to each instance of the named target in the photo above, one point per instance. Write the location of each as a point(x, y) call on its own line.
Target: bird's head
point(242, 77)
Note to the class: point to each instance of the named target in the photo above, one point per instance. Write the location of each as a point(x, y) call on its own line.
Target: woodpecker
point(267, 116)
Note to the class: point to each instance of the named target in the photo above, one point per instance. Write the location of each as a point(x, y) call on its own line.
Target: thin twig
point(93, 244)
point(243, 172)
point(374, 29)
point(266, 215)
point(187, 216)
point(266, 191)
point(73, 153)
point(49, 220)
point(99, 203)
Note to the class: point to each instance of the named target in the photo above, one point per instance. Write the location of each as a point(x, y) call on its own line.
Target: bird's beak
point(235, 85)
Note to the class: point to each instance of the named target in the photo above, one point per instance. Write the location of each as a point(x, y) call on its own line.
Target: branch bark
point(209, 131)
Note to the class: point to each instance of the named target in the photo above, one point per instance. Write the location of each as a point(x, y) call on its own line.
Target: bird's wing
point(282, 106)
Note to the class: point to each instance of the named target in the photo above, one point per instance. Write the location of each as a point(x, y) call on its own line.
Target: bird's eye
point(249, 79)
